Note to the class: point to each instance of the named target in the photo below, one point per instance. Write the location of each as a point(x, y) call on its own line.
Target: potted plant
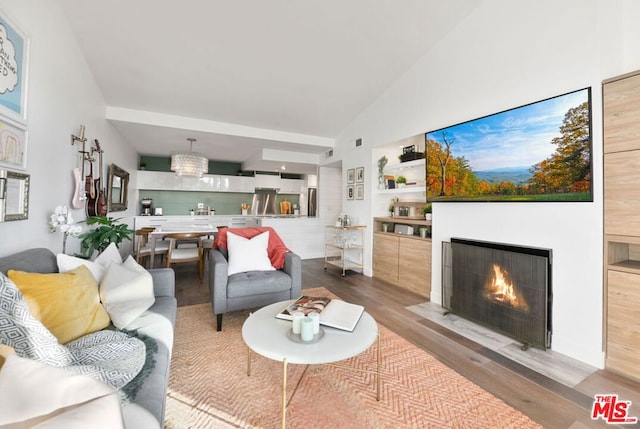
point(426, 211)
point(392, 206)
point(108, 231)
point(401, 181)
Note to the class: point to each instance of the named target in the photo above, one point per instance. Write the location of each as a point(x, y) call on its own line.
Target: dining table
point(161, 232)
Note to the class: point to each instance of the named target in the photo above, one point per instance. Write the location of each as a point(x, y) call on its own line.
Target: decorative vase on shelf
point(428, 216)
point(381, 183)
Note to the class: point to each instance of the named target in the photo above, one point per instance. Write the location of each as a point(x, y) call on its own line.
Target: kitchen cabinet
point(162, 180)
point(291, 186)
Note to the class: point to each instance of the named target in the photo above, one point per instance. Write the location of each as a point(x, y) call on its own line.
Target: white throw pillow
point(68, 401)
point(248, 254)
point(68, 263)
point(97, 267)
point(109, 255)
point(126, 291)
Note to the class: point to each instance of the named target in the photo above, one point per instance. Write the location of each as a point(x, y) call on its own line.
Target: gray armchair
point(251, 289)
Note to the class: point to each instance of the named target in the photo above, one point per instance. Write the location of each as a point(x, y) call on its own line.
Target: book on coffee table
point(334, 313)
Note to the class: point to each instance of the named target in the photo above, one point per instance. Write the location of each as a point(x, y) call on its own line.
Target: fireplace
point(504, 287)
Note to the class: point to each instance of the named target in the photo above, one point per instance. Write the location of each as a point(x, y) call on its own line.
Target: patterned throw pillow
point(114, 358)
point(20, 330)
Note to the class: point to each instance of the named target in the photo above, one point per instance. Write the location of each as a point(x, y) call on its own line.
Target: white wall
point(503, 55)
point(62, 94)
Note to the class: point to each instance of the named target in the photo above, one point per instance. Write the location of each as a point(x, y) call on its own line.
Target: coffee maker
point(146, 206)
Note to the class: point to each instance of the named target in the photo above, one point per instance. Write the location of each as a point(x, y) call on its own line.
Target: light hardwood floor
point(548, 402)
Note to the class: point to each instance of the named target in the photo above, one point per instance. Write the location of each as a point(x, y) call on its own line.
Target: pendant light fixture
point(189, 164)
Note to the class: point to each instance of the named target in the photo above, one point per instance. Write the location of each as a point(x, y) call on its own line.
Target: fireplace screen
point(504, 287)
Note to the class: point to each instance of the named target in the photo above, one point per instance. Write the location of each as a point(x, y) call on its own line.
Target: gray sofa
point(148, 407)
point(251, 289)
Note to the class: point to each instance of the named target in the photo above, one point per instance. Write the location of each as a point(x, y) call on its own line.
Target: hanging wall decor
point(13, 71)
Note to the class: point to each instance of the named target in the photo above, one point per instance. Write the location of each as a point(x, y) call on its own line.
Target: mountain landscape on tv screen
point(516, 175)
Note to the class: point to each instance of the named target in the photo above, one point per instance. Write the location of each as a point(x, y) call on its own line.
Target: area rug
point(209, 386)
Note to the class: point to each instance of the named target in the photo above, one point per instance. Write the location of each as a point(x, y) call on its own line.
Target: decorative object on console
point(62, 220)
point(392, 206)
point(426, 211)
point(189, 164)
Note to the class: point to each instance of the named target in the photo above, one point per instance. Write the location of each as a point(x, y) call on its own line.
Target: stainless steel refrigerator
point(312, 204)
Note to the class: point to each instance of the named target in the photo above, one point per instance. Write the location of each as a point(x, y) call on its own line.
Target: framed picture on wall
point(360, 192)
point(351, 173)
point(13, 146)
point(13, 71)
point(350, 192)
point(360, 175)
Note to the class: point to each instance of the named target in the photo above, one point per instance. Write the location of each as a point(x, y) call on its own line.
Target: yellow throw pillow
point(68, 304)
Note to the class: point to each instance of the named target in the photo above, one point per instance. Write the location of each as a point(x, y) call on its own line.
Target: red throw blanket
point(275, 249)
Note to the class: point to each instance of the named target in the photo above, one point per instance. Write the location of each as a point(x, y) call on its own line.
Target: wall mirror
point(14, 195)
point(118, 189)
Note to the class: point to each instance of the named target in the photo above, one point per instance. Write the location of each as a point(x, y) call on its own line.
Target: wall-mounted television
point(537, 152)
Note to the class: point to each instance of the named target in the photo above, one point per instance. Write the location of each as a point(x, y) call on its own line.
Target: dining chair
point(178, 255)
point(143, 247)
point(207, 244)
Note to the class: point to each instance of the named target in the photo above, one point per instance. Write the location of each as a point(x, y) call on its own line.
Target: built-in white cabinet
point(291, 186)
point(161, 180)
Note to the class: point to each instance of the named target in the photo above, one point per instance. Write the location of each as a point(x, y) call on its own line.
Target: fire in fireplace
point(500, 289)
point(504, 287)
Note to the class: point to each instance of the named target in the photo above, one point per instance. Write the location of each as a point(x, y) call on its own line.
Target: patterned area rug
point(209, 386)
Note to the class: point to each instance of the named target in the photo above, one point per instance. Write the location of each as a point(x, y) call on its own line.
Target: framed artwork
point(350, 175)
point(350, 192)
point(13, 71)
point(13, 146)
point(360, 175)
point(360, 192)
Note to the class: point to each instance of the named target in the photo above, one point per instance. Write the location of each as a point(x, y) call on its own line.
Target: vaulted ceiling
point(263, 82)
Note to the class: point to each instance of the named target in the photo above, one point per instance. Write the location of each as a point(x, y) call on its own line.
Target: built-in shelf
point(403, 190)
point(418, 163)
point(623, 254)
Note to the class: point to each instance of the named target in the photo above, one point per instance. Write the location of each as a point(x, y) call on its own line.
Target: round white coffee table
point(266, 335)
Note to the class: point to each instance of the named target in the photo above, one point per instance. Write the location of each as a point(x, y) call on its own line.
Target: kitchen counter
point(302, 234)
